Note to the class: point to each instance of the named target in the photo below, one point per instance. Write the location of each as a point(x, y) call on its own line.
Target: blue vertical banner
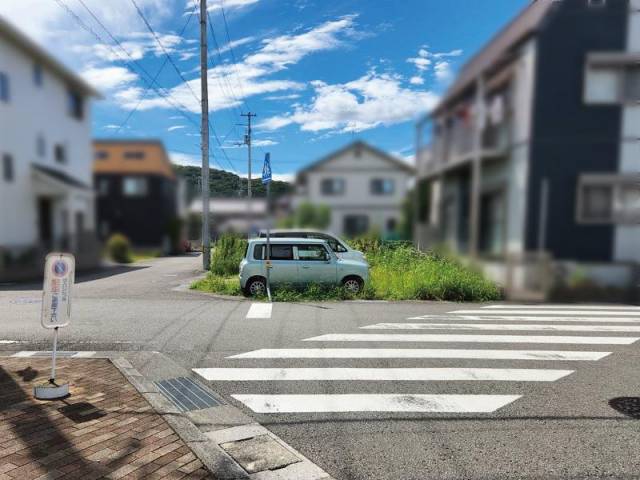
point(266, 169)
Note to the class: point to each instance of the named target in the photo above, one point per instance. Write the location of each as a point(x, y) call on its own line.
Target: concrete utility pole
point(247, 141)
point(204, 130)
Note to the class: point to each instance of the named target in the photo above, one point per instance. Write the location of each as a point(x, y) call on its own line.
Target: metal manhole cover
point(186, 394)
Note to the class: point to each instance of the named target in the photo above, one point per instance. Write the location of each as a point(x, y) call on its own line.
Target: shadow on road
point(629, 406)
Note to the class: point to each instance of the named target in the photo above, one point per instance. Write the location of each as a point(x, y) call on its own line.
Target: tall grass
point(228, 252)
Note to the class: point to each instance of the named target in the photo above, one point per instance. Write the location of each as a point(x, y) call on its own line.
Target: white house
point(363, 186)
point(46, 198)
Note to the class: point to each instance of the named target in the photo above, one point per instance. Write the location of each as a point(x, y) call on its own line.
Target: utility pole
point(204, 130)
point(247, 142)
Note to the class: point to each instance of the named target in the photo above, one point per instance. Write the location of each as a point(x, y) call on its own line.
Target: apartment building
point(534, 152)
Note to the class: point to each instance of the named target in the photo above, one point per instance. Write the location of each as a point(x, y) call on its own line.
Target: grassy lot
point(398, 272)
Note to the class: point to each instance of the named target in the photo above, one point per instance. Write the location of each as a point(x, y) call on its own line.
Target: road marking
point(380, 374)
point(375, 403)
point(7, 342)
point(410, 337)
point(24, 353)
point(260, 310)
point(423, 353)
point(567, 307)
point(610, 313)
point(502, 326)
point(29, 353)
point(518, 318)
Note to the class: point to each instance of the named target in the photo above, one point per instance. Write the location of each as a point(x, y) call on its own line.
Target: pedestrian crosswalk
point(375, 379)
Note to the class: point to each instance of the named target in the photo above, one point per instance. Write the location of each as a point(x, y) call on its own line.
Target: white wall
point(34, 110)
point(358, 172)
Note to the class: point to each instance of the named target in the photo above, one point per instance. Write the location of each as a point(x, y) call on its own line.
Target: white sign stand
point(59, 275)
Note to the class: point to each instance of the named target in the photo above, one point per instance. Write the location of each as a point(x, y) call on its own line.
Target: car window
point(312, 253)
point(278, 252)
point(333, 243)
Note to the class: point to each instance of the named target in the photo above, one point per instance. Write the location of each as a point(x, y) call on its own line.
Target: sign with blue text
point(266, 169)
point(59, 273)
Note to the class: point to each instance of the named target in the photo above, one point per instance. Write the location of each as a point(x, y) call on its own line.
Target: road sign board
point(266, 169)
point(59, 275)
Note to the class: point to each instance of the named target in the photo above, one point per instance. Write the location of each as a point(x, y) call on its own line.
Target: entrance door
point(45, 224)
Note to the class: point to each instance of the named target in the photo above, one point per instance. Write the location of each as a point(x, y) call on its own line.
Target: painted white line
point(423, 353)
point(380, 374)
point(567, 307)
point(502, 326)
point(520, 318)
point(604, 313)
point(375, 403)
point(85, 354)
point(24, 353)
point(260, 310)
point(7, 342)
point(412, 337)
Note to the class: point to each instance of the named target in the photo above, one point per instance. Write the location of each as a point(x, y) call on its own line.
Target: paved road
point(455, 391)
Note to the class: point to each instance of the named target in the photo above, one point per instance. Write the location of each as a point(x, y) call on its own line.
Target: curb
point(206, 431)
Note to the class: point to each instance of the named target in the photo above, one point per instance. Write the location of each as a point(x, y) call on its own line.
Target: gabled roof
point(155, 160)
point(523, 25)
point(396, 162)
point(31, 48)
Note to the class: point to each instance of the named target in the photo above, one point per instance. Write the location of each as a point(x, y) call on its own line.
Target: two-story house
point(363, 186)
point(534, 151)
point(137, 191)
point(46, 198)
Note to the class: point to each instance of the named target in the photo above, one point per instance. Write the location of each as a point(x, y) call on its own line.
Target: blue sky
point(318, 73)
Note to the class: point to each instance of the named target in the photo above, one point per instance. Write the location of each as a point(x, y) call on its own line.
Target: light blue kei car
point(299, 261)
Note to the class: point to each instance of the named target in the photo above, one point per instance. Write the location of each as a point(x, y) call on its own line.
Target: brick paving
point(104, 429)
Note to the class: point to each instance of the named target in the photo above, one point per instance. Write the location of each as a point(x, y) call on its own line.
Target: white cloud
point(185, 159)
point(416, 80)
point(236, 43)
point(229, 4)
point(443, 71)
point(370, 101)
point(452, 53)
point(175, 127)
point(108, 78)
point(255, 143)
point(248, 76)
point(421, 63)
point(284, 177)
point(291, 96)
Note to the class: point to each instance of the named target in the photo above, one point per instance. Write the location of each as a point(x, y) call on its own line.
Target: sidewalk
point(105, 429)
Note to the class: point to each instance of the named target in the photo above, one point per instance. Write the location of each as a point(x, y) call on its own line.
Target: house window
point(135, 187)
point(7, 167)
point(356, 225)
point(134, 155)
point(76, 104)
point(632, 84)
point(608, 199)
point(37, 74)
point(4, 87)
point(332, 186)
point(60, 153)
point(103, 187)
point(102, 155)
point(382, 186)
point(41, 146)
point(392, 224)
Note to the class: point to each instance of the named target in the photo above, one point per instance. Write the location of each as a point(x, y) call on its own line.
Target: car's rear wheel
point(256, 287)
point(353, 285)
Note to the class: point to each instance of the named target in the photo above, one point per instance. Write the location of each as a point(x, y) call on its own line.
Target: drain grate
point(58, 354)
point(186, 394)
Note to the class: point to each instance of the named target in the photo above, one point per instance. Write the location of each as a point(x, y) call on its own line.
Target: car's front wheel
point(256, 287)
point(353, 285)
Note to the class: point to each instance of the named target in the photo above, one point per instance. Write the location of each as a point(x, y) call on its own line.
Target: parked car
point(339, 246)
point(298, 261)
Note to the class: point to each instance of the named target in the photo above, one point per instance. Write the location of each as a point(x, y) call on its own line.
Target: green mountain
point(227, 184)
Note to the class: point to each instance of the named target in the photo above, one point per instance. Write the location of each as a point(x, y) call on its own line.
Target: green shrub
point(228, 252)
point(218, 284)
point(119, 248)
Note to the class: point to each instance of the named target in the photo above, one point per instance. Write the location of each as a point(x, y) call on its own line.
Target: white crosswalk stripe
point(475, 365)
point(382, 374)
point(423, 337)
point(502, 326)
point(341, 403)
point(538, 355)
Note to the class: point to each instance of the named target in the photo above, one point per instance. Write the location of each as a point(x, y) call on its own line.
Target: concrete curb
point(204, 431)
